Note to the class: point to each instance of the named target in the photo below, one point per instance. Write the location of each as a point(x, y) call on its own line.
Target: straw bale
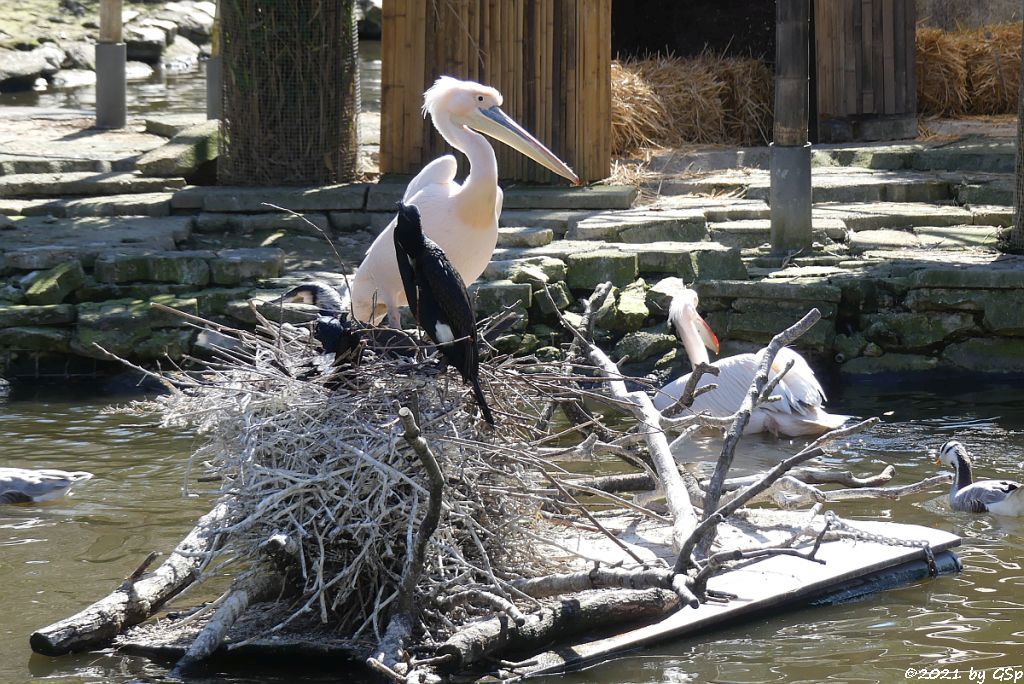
point(639, 116)
point(748, 99)
point(993, 68)
point(941, 73)
point(693, 95)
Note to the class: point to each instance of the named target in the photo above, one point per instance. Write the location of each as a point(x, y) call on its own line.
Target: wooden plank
point(910, 56)
point(387, 50)
point(415, 25)
point(867, 88)
point(111, 24)
point(877, 57)
point(768, 584)
point(850, 38)
point(857, 46)
point(888, 52)
point(899, 57)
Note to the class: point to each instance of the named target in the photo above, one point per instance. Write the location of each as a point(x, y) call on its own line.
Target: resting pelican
point(1002, 497)
point(438, 299)
point(21, 485)
point(461, 219)
point(799, 408)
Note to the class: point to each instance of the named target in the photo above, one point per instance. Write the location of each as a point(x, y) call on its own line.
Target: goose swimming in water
point(1002, 497)
point(438, 299)
point(22, 485)
point(799, 409)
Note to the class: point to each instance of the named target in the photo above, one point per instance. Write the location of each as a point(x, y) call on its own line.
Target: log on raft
point(135, 599)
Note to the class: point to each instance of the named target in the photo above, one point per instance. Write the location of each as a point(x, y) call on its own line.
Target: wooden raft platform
point(852, 568)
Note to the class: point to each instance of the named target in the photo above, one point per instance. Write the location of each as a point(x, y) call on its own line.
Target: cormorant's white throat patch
point(443, 333)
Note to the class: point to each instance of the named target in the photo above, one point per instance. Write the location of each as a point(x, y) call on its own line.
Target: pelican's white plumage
point(22, 485)
point(798, 410)
point(462, 219)
point(1002, 497)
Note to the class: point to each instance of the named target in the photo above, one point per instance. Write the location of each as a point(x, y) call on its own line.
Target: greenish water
point(56, 558)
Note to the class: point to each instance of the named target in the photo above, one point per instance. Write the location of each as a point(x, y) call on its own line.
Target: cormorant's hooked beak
point(497, 124)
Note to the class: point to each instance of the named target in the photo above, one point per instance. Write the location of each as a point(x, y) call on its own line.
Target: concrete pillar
point(790, 195)
point(111, 60)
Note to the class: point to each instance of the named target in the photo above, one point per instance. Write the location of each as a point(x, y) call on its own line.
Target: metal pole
point(790, 195)
point(111, 58)
point(214, 82)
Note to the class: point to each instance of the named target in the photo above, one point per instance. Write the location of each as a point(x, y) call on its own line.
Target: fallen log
point(256, 589)
point(136, 598)
point(495, 638)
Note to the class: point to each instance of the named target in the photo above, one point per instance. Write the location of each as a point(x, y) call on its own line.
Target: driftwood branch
point(488, 640)
point(690, 391)
point(683, 515)
point(400, 626)
point(137, 598)
point(608, 578)
point(245, 593)
point(817, 476)
point(683, 561)
point(788, 498)
point(765, 358)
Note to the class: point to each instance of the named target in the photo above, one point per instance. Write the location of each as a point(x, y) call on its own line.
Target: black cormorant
point(438, 299)
point(333, 328)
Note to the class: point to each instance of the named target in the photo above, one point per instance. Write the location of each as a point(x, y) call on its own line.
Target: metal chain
point(838, 524)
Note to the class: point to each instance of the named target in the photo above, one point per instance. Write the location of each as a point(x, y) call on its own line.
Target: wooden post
point(214, 79)
point(790, 195)
point(111, 58)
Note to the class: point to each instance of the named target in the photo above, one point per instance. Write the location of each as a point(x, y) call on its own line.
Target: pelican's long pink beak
point(500, 126)
point(707, 335)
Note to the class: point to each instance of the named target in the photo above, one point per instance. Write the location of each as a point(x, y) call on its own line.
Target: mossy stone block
point(56, 284)
point(587, 270)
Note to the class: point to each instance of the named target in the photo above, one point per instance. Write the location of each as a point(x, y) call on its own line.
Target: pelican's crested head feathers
point(458, 98)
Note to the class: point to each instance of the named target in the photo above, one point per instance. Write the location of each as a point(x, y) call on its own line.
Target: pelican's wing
point(441, 171)
point(37, 485)
point(800, 384)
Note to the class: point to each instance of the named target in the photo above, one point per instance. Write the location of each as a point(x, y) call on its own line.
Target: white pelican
point(1002, 497)
point(21, 485)
point(462, 219)
point(797, 412)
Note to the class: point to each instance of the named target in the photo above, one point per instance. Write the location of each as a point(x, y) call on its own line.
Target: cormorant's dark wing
point(408, 273)
point(13, 497)
point(445, 283)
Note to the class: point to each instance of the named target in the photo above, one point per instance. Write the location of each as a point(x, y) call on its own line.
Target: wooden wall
point(550, 60)
point(865, 57)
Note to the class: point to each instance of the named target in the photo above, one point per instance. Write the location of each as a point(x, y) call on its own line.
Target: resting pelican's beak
point(707, 336)
point(497, 124)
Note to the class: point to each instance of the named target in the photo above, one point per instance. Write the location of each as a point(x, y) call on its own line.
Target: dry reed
point(993, 68)
point(318, 464)
point(941, 73)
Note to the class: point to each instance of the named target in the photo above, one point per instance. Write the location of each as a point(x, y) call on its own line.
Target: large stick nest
point(315, 466)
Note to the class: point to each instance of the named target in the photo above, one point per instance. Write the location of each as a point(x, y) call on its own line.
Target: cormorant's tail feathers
point(484, 408)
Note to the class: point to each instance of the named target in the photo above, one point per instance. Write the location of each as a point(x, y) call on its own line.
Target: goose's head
point(951, 452)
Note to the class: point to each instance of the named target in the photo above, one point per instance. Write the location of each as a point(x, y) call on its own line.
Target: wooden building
point(550, 59)
point(865, 80)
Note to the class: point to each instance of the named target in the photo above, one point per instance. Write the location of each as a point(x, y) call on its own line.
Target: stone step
point(558, 220)
point(828, 185)
point(988, 155)
point(956, 238)
point(691, 260)
point(756, 232)
point(28, 185)
point(520, 236)
point(875, 215)
point(37, 242)
point(348, 197)
point(17, 164)
point(643, 225)
point(383, 196)
point(169, 125)
point(142, 204)
point(991, 190)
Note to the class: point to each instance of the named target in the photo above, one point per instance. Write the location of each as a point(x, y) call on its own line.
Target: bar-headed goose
point(1002, 497)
